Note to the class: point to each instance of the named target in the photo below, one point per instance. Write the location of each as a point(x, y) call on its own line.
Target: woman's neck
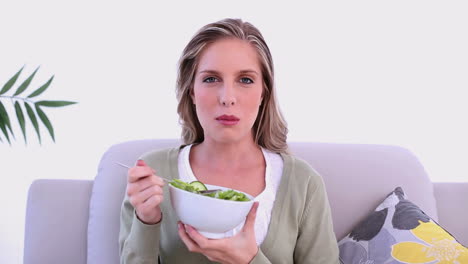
point(233, 155)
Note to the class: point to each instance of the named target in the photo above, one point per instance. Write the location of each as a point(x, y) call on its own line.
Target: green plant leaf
point(11, 82)
point(54, 103)
point(41, 89)
point(6, 118)
point(46, 121)
point(33, 118)
point(19, 114)
point(4, 130)
point(26, 83)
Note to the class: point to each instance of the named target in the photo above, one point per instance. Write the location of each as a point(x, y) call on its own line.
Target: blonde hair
point(270, 128)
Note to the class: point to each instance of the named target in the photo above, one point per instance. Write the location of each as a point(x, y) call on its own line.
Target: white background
point(373, 72)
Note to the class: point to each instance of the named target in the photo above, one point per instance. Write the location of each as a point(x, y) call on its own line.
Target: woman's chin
point(227, 138)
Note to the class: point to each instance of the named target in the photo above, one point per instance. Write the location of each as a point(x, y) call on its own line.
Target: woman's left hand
point(240, 248)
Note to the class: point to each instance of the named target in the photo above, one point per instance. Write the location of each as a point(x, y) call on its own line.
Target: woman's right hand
point(144, 189)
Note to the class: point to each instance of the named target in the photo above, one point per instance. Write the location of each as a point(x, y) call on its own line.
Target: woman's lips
point(228, 120)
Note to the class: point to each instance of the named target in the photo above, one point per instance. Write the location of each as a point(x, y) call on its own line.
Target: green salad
point(199, 188)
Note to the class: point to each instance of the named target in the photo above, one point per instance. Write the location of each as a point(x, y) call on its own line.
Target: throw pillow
point(398, 231)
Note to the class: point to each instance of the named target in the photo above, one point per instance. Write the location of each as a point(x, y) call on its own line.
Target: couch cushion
point(398, 231)
point(107, 196)
point(356, 177)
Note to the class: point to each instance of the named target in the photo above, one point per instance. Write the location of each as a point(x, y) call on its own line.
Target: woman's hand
point(144, 189)
point(238, 249)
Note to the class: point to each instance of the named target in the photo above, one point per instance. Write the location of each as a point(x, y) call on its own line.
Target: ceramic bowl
point(211, 217)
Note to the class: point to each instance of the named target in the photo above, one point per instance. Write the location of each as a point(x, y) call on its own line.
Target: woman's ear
point(192, 95)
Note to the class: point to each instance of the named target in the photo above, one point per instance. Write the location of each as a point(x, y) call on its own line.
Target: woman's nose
point(227, 96)
point(228, 101)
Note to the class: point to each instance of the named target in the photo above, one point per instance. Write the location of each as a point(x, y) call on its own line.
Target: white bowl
point(211, 217)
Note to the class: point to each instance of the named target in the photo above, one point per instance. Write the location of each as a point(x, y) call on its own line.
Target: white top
point(273, 172)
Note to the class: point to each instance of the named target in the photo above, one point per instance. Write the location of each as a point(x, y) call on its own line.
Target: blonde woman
point(234, 136)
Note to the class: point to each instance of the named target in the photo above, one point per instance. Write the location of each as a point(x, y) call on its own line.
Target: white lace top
point(273, 172)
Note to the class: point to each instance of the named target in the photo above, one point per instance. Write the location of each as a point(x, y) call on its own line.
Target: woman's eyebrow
point(249, 71)
point(218, 73)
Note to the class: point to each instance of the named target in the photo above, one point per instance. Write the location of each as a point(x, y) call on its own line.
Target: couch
point(77, 221)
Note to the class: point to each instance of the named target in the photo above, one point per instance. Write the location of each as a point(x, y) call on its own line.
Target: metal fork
point(128, 167)
point(207, 191)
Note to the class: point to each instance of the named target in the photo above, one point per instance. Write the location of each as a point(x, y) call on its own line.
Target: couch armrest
point(56, 221)
point(452, 198)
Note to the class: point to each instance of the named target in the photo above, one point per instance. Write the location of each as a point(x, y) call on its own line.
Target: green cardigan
point(300, 231)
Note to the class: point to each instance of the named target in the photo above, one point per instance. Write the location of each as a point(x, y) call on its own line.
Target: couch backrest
point(357, 178)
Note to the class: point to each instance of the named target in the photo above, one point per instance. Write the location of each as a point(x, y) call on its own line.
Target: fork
point(128, 167)
point(207, 191)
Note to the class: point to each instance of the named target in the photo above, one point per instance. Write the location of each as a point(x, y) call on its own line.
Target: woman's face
point(227, 90)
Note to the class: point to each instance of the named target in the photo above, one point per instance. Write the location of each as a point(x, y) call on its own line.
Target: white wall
point(384, 72)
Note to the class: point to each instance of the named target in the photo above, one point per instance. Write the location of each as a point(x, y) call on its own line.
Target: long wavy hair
point(270, 128)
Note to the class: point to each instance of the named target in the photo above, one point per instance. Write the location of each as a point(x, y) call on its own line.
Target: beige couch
point(77, 221)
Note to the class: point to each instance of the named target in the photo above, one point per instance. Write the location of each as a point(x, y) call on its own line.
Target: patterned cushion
point(398, 231)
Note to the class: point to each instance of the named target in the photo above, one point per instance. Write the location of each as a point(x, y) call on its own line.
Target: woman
point(234, 136)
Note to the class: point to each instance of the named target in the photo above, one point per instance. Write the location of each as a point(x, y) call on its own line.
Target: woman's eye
point(246, 80)
point(210, 80)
